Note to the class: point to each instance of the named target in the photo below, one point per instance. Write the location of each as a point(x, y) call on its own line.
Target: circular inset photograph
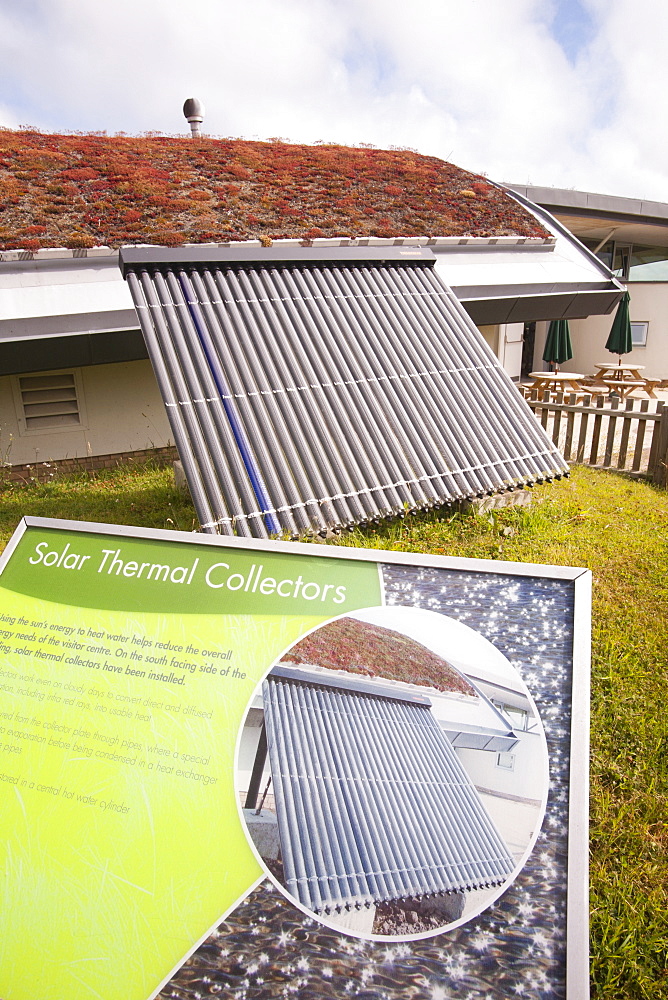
point(392, 773)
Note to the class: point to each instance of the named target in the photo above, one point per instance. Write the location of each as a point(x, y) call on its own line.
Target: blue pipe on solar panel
point(202, 393)
point(352, 357)
point(236, 370)
point(165, 360)
point(239, 492)
point(344, 762)
point(345, 401)
point(298, 342)
point(272, 523)
point(300, 495)
point(302, 500)
point(284, 411)
point(397, 383)
point(325, 467)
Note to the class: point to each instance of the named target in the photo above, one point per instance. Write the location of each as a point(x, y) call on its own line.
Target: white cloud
point(481, 82)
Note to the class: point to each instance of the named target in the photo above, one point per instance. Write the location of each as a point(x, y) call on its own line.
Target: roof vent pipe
point(194, 112)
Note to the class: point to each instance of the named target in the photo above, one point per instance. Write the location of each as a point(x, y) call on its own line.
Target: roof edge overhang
point(356, 683)
point(486, 310)
point(134, 258)
point(588, 204)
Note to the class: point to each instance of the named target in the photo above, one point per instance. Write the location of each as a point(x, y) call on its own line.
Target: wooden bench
point(625, 386)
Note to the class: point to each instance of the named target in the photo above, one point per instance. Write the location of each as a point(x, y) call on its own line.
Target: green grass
point(619, 529)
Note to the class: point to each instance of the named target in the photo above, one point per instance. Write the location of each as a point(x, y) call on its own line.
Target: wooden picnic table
point(557, 381)
point(623, 379)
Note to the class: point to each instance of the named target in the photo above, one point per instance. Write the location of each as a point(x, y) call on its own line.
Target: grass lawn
point(619, 529)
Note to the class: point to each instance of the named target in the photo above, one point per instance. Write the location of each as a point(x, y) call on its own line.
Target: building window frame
point(506, 761)
point(639, 332)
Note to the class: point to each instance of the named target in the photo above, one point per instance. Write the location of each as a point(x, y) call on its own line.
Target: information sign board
point(274, 769)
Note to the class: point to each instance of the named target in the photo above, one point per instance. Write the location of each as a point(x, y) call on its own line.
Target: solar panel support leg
point(258, 768)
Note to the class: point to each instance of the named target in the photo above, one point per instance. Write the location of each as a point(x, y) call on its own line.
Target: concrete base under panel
point(517, 498)
point(445, 908)
point(263, 830)
point(360, 920)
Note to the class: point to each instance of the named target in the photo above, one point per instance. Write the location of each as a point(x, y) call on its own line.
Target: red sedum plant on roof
point(90, 190)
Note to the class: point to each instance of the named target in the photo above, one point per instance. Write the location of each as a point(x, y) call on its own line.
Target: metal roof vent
point(194, 112)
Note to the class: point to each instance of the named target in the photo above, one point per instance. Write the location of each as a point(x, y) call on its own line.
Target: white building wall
point(506, 340)
point(525, 781)
point(649, 304)
point(120, 408)
point(511, 339)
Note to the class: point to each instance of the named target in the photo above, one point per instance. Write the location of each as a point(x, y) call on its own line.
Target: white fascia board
point(65, 288)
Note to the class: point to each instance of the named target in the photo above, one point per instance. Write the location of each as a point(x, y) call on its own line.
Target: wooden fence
point(606, 432)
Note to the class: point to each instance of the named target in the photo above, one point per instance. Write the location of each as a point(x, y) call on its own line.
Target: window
point(48, 401)
point(639, 334)
point(506, 761)
point(519, 717)
point(648, 264)
point(633, 262)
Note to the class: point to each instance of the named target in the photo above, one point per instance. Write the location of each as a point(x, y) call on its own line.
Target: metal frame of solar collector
point(313, 390)
point(372, 801)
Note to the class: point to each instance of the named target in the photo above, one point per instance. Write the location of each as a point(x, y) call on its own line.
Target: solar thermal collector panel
point(309, 393)
point(372, 801)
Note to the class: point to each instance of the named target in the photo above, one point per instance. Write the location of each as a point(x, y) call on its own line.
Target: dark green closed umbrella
point(620, 341)
point(558, 346)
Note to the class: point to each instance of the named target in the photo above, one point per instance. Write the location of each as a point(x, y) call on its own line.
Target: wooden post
point(658, 468)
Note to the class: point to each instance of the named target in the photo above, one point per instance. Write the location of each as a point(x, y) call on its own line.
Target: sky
point(563, 93)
